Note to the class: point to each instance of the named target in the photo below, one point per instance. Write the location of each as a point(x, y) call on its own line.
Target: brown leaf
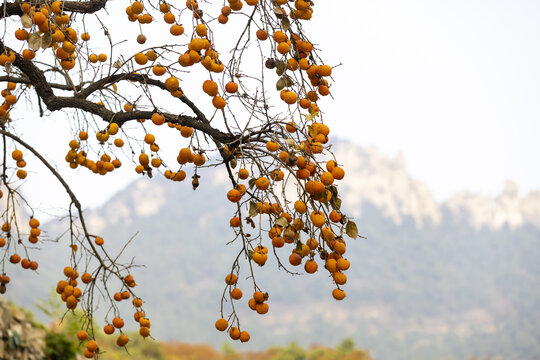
point(288, 80)
point(26, 21)
point(285, 24)
point(253, 209)
point(351, 229)
point(46, 40)
point(279, 11)
point(280, 84)
point(34, 41)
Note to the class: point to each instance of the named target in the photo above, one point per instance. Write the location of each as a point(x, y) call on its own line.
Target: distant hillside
point(432, 281)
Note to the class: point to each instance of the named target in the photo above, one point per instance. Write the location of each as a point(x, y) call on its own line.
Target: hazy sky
point(453, 85)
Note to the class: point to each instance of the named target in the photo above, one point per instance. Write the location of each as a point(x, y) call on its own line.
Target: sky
point(453, 85)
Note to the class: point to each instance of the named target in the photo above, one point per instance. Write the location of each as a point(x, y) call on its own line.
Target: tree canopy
point(239, 85)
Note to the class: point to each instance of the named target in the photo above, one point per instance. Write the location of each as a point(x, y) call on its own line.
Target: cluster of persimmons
point(284, 176)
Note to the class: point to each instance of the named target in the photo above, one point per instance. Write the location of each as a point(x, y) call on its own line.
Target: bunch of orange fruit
point(284, 177)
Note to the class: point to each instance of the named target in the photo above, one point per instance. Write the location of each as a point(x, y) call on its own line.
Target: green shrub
point(59, 347)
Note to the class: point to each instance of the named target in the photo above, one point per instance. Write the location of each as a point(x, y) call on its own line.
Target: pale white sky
point(453, 85)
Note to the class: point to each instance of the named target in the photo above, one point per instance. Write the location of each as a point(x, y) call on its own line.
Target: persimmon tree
point(239, 84)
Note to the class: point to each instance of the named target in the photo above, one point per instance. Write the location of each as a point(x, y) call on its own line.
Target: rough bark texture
point(86, 7)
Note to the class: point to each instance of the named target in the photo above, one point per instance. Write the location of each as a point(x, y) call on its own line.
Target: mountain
point(432, 280)
point(386, 184)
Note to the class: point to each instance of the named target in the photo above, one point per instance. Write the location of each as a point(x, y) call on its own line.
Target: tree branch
point(26, 80)
point(96, 85)
point(85, 7)
point(44, 90)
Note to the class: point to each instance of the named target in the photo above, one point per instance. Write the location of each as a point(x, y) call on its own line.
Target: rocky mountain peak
point(383, 181)
point(507, 209)
point(375, 178)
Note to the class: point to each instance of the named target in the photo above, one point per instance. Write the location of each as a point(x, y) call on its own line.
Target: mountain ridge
point(386, 183)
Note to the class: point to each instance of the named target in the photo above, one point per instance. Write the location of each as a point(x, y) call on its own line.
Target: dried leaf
point(46, 40)
point(7, 66)
point(253, 209)
point(285, 24)
point(281, 66)
point(324, 198)
point(279, 11)
point(233, 163)
point(335, 203)
point(26, 21)
point(335, 197)
point(117, 64)
point(351, 229)
point(249, 220)
point(251, 183)
point(280, 84)
point(288, 80)
point(281, 221)
point(34, 41)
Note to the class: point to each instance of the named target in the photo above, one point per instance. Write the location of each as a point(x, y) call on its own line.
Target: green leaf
point(253, 209)
point(311, 116)
point(311, 130)
point(351, 229)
